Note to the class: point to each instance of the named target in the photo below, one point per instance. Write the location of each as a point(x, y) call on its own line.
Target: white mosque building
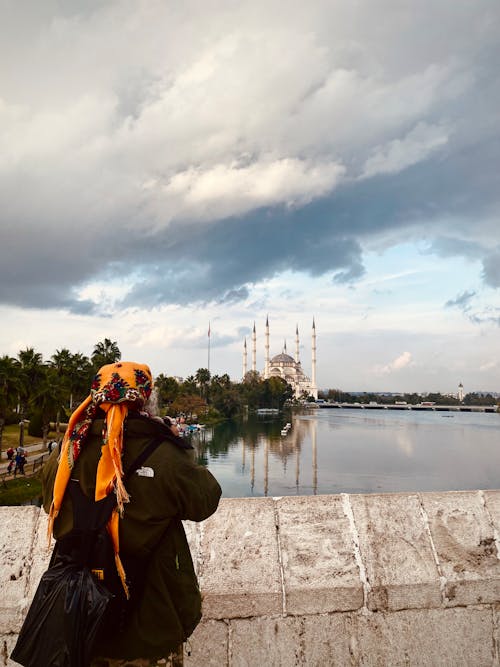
point(285, 366)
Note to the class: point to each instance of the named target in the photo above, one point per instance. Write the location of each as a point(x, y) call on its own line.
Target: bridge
point(409, 406)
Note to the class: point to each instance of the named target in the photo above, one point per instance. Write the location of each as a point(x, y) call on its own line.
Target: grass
point(21, 490)
point(11, 437)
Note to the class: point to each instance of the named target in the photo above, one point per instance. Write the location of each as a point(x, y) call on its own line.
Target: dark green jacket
point(175, 488)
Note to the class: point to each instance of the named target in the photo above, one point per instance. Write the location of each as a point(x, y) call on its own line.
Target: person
point(20, 461)
point(104, 437)
point(51, 445)
point(10, 453)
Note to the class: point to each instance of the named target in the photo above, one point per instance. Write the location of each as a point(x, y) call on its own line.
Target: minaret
point(297, 344)
point(266, 363)
point(314, 388)
point(460, 394)
point(254, 350)
point(245, 358)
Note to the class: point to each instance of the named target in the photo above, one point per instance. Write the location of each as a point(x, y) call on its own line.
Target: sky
point(166, 165)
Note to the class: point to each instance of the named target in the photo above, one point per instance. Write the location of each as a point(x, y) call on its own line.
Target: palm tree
point(10, 386)
point(105, 352)
point(49, 398)
point(202, 380)
point(81, 374)
point(31, 373)
point(168, 389)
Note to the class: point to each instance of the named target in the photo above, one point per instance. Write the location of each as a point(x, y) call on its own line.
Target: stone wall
point(393, 579)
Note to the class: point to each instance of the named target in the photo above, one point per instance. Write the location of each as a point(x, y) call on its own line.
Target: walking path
point(36, 455)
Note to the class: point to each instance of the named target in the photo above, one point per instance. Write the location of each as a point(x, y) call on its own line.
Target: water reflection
point(349, 451)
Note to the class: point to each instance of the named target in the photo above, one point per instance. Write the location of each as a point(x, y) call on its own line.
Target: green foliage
point(168, 389)
point(35, 427)
point(105, 352)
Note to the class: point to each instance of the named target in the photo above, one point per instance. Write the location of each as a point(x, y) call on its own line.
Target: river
point(354, 451)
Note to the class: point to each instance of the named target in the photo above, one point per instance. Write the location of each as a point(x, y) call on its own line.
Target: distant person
point(10, 453)
point(51, 445)
point(106, 435)
point(20, 461)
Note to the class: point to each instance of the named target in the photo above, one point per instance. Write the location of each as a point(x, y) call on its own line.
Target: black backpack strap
point(146, 452)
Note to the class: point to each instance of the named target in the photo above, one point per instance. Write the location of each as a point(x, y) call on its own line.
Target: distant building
point(285, 366)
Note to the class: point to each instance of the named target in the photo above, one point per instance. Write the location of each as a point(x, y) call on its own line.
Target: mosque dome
point(282, 359)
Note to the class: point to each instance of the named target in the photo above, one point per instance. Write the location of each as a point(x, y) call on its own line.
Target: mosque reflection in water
point(262, 456)
point(348, 451)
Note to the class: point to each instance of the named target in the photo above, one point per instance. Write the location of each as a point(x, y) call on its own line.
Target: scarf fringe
point(122, 496)
point(50, 525)
point(122, 575)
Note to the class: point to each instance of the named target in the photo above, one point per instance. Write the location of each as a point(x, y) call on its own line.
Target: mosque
point(285, 366)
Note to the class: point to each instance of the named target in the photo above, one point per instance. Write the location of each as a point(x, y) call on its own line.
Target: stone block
point(463, 539)
point(208, 645)
point(273, 642)
point(396, 552)
point(458, 637)
point(40, 555)
point(327, 639)
point(16, 542)
point(240, 571)
point(193, 535)
point(492, 502)
point(7, 643)
point(319, 568)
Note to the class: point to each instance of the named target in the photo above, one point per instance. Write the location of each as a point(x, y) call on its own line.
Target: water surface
point(354, 451)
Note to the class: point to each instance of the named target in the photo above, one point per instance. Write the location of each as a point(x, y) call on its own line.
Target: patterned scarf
point(116, 388)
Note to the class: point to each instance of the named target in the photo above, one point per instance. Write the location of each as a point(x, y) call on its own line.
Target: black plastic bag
point(63, 620)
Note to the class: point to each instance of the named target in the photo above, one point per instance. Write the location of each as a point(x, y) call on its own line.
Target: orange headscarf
point(115, 388)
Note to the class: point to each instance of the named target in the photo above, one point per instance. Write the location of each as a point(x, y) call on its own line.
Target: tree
point(105, 352)
point(202, 378)
point(80, 378)
point(10, 386)
point(49, 398)
point(31, 374)
point(168, 389)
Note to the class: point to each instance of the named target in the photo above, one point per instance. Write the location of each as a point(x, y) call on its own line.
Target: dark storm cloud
point(191, 182)
point(491, 269)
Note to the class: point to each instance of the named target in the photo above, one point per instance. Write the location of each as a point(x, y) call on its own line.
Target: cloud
point(489, 365)
point(462, 301)
point(405, 360)
point(398, 154)
point(491, 269)
point(236, 143)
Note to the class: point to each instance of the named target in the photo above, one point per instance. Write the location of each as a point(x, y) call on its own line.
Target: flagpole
point(208, 367)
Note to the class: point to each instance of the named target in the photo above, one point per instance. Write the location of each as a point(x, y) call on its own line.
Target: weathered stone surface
point(463, 538)
point(492, 502)
point(240, 572)
point(208, 645)
point(238, 558)
point(327, 640)
point(396, 552)
point(273, 642)
point(319, 568)
point(459, 637)
point(7, 643)
point(40, 555)
point(193, 534)
point(16, 543)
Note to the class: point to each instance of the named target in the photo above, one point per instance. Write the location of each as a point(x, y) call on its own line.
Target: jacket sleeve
point(48, 477)
point(190, 487)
